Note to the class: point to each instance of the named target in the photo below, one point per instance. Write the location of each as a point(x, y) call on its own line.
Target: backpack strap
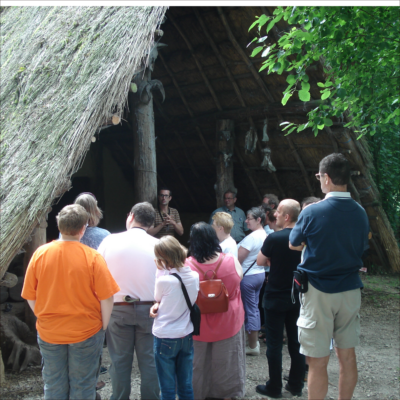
point(214, 271)
point(185, 293)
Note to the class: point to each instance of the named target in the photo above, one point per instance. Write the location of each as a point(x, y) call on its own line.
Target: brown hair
point(225, 220)
point(89, 203)
point(144, 214)
point(171, 252)
point(272, 216)
point(71, 219)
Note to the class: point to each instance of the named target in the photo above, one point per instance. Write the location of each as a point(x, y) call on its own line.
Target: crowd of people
point(138, 289)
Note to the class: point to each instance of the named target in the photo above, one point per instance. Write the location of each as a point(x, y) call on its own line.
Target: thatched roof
point(207, 75)
point(64, 70)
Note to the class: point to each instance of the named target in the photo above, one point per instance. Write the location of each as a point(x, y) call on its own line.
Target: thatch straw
point(64, 70)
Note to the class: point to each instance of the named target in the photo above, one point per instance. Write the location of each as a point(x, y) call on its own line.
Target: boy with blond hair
point(223, 224)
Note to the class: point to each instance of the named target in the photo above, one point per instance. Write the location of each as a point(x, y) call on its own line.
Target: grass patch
point(380, 290)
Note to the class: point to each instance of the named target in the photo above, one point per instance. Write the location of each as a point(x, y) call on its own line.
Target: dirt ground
point(378, 355)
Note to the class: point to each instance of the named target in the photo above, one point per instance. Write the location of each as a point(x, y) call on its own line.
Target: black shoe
point(293, 392)
point(262, 389)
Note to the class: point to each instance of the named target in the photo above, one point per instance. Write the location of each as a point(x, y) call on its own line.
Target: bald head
point(290, 207)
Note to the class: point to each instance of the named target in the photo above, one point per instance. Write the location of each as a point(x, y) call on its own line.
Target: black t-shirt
point(283, 262)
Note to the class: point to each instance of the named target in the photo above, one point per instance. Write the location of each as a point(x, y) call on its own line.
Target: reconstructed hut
point(83, 109)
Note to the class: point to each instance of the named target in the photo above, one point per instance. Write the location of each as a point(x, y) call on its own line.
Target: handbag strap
point(185, 293)
point(216, 269)
point(248, 269)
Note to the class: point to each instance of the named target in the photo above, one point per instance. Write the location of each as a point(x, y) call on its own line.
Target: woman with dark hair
point(93, 235)
point(254, 276)
point(221, 342)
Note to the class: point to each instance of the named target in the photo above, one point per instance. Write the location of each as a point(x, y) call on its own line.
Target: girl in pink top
point(221, 342)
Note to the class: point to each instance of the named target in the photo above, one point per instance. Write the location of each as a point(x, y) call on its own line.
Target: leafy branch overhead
point(360, 50)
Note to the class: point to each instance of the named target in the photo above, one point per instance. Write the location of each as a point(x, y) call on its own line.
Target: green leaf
point(328, 84)
point(262, 39)
point(276, 67)
point(305, 86)
point(288, 126)
point(305, 78)
point(284, 123)
point(325, 95)
point(256, 51)
point(265, 52)
point(320, 127)
point(341, 93)
point(328, 122)
point(263, 67)
point(251, 42)
point(304, 95)
point(291, 79)
point(253, 25)
point(133, 87)
point(286, 97)
point(320, 84)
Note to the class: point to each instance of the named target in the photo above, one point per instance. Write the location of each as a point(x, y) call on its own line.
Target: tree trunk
point(225, 138)
point(144, 165)
point(38, 239)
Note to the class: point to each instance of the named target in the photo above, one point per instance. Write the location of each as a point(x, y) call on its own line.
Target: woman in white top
point(253, 276)
point(172, 328)
point(223, 224)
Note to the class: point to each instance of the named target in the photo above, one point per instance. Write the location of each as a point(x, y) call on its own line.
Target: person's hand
point(170, 221)
point(154, 310)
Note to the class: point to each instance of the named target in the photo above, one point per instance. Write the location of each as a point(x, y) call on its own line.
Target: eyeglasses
point(319, 175)
point(249, 219)
point(163, 195)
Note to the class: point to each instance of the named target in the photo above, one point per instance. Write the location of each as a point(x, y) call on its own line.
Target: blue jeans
point(174, 363)
point(280, 312)
point(70, 371)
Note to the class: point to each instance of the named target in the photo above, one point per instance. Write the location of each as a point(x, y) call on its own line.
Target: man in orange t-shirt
point(70, 290)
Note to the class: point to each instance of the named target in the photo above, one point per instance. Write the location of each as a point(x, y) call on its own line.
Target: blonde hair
point(170, 252)
point(71, 219)
point(225, 220)
point(89, 203)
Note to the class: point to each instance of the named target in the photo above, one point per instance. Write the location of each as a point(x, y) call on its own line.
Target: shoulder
point(220, 209)
point(239, 210)
point(101, 231)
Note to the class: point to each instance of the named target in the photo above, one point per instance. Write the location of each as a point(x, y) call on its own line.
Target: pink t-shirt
point(220, 326)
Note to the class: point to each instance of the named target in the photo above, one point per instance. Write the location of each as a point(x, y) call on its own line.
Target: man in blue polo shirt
point(335, 232)
point(237, 214)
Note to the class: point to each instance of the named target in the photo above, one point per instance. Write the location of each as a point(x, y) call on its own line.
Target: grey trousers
point(129, 330)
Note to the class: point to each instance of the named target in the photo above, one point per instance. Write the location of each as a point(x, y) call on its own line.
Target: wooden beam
point(249, 174)
point(281, 191)
point(301, 165)
point(199, 66)
point(246, 59)
point(192, 166)
point(178, 174)
point(189, 110)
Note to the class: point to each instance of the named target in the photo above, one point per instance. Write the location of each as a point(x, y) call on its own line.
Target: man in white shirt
point(130, 259)
point(223, 224)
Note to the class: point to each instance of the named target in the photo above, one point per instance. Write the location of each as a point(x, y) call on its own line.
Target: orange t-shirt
point(68, 280)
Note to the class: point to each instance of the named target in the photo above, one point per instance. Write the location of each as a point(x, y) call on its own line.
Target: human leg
point(298, 361)
point(184, 369)
point(84, 365)
point(317, 377)
point(55, 370)
point(144, 340)
point(201, 369)
point(165, 354)
point(120, 342)
point(274, 333)
point(348, 372)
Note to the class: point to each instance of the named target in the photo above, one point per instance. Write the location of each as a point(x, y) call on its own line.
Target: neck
point(231, 208)
point(70, 238)
point(337, 188)
point(137, 225)
point(164, 207)
point(223, 236)
point(289, 225)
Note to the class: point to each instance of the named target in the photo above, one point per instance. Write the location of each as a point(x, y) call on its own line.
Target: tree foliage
point(360, 48)
point(360, 51)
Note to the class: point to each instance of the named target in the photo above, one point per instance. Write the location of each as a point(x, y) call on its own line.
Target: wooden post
point(225, 138)
point(144, 153)
point(38, 239)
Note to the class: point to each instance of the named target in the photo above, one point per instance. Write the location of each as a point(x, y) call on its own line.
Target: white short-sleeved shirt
point(173, 317)
point(130, 258)
point(229, 246)
point(253, 243)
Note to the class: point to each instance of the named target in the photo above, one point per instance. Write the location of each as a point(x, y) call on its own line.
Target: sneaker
point(262, 389)
point(293, 392)
point(253, 352)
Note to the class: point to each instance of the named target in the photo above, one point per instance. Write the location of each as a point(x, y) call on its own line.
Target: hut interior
point(210, 79)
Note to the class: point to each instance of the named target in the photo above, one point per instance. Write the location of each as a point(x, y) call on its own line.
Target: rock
point(15, 292)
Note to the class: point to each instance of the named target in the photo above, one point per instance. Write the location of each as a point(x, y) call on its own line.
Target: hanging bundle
point(267, 163)
point(250, 141)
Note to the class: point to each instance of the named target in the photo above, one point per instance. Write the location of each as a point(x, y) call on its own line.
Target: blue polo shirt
point(336, 234)
point(239, 227)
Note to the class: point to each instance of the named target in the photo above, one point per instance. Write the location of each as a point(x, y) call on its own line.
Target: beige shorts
point(327, 315)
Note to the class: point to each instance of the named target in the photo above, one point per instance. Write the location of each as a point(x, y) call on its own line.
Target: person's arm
point(155, 229)
point(106, 310)
point(177, 226)
point(154, 310)
point(297, 248)
point(242, 254)
point(262, 260)
point(239, 268)
point(32, 305)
